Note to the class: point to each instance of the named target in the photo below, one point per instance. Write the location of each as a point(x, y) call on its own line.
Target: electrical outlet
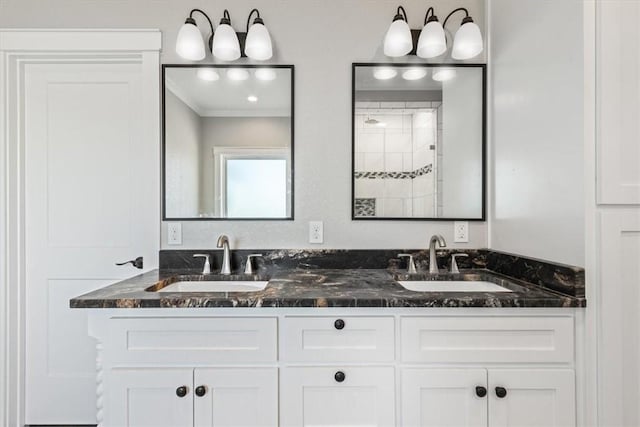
point(461, 232)
point(174, 233)
point(316, 232)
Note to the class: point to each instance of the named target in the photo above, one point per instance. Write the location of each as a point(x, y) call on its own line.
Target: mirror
point(227, 142)
point(418, 141)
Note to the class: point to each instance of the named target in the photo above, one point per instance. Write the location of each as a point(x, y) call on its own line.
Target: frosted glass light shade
point(444, 74)
point(467, 42)
point(397, 41)
point(384, 73)
point(237, 74)
point(266, 74)
point(225, 43)
point(414, 73)
point(432, 41)
point(258, 43)
point(208, 74)
point(189, 44)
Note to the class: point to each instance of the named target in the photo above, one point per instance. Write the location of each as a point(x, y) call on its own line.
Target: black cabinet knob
point(481, 391)
point(339, 324)
point(339, 376)
point(501, 392)
point(201, 391)
point(182, 391)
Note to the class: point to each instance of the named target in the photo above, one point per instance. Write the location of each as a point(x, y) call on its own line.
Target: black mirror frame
point(483, 67)
point(163, 135)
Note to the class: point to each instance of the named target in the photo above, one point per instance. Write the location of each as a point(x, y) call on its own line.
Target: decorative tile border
point(395, 175)
point(365, 207)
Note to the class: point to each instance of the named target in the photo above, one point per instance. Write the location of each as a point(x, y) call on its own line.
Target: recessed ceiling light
point(266, 74)
point(237, 74)
point(381, 124)
point(252, 98)
point(414, 73)
point(384, 73)
point(208, 74)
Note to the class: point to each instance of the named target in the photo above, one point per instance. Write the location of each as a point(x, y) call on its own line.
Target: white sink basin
point(451, 286)
point(215, 286)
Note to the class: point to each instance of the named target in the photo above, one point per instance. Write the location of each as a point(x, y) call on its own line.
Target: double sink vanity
point(338, 337)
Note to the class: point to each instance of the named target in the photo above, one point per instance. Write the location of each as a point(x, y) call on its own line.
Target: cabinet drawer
point(338, 339)
point(190, 341)
point(487, 339)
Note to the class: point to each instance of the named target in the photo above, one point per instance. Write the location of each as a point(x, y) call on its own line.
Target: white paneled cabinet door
point(331, 396)
point(618, 101)
point(444, 397)
point(531, 398)
point(149, 398)
point(236, 397)
point(91, 184)
point(619, 334)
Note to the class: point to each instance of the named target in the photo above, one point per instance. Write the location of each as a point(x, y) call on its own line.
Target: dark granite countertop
point(299, 287)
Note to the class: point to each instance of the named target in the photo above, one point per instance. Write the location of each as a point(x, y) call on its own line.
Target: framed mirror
point(227, 133)
point(419, 141)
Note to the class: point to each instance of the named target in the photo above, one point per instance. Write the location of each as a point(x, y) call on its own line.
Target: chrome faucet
point(223, 242)
point(433, 260)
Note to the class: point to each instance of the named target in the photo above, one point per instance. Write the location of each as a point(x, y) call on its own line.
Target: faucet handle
point(248, 268)
point(454, 264)
point(207, 265)
point(411, 266)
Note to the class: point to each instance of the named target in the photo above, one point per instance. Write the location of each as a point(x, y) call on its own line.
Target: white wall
point(321, 39)
point(536, 72)
point(462, 145)
point(182, 152)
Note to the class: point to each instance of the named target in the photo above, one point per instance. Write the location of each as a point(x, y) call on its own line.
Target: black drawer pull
point(481, 391)
point(339, 324)
point(339, 376)
point(201, 391)
point(182, 391)
point(501, 392)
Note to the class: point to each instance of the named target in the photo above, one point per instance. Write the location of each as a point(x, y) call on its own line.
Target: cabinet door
point(148, 397)
point(332, 396)
point(533, 398)
point(236, 397)
point(444, 397)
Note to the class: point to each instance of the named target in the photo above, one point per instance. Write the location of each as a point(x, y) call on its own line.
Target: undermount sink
point(451, 286)
point(215, 286)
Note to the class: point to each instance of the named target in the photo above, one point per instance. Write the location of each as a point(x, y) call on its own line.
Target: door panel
point(237, 397)
point(534, 398)
point(313, 397)
point(443, 398)
point(148, 398)
point(86, 207)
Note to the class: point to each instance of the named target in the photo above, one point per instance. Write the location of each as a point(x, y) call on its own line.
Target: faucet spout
point(223, 242)
point(433, 260)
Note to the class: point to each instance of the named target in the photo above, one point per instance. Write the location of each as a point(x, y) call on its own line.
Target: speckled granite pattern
point(301, 287)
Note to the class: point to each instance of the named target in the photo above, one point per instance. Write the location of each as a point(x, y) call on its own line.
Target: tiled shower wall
point(394, 159)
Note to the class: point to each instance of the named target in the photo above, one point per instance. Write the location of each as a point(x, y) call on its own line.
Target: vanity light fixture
point(414, 73)
point(224, 42)
point(265, 74)
point(237, 74)
point(208, 74)
point(431, 40)
point(444, 74)
point(398, 41)
point(384, 73)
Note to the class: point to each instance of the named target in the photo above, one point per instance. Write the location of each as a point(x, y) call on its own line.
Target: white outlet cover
point(316, 232)
point(461, 232)
point(174, 233)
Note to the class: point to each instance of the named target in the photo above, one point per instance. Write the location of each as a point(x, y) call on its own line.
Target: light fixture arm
point(203, 14)
point(258, 19)
point(444, 24)
point(402, 15)
point(429, 18)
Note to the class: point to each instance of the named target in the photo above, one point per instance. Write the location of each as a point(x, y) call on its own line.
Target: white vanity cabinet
point(488, 397)
point(335, 367)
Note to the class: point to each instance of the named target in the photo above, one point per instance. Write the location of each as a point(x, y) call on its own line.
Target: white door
point(532, 398)
point(149, 398)
point(227, 397)
point(332, 396)
point(444, 397)
point(91, 200)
